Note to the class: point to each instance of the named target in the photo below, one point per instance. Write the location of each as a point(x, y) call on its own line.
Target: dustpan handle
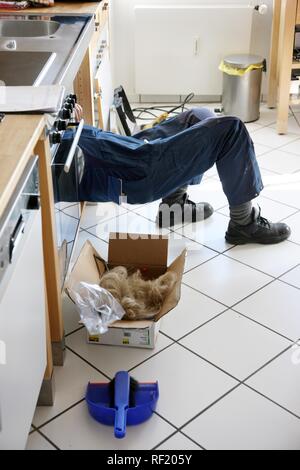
point(120, 422)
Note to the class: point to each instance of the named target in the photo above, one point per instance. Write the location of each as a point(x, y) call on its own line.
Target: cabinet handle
point(196, 46)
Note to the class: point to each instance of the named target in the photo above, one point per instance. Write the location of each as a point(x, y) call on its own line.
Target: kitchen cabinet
point(23, 331)
point(26, 372)
point(93, 84)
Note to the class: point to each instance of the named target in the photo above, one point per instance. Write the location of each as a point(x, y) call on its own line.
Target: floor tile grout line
point(150, 357)
point(200, 244)
point(164, 440)
point(48, 440)
point(196, 328)
point(249, 266)
point(74, 331)
point(270, 362)
point(242, 381)
point(45, 423)
point(280, 202)
point(228, 393)
point(278, 173)
point(209, 362)
point(166, 420)
point(297, 137)
point(205, 295)
point(259, 270)
point(273, 401)
point(293, 242)
point(287, 272)
point(291, 215)
point(288, 283)
point(201, 264)
point(106, 220)
point(180, 429)
point(294, 115)
point(293, 343)
point(193, 440)
point(96, 236)
point(89, 363)
point(264, 326)
point(174, 434)
point(252, 294)
point(233, 305)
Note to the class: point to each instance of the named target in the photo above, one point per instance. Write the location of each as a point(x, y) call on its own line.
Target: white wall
point(122, 38)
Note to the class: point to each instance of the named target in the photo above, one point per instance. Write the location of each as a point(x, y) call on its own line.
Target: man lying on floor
point(162, 161)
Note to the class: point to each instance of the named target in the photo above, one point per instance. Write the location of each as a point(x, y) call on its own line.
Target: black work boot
point(182, 212)
point(260, 230)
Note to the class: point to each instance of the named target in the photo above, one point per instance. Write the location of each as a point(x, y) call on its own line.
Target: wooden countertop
point(62, 8)
point(18, 136)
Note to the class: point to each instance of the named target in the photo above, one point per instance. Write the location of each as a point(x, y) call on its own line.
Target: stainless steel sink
point(27, 28)
point(43, 49)
point(22, 68)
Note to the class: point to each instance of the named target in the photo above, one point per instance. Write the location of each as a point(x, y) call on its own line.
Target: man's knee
point(197, 114)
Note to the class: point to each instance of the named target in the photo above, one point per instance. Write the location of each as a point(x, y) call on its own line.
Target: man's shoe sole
point(243, 241)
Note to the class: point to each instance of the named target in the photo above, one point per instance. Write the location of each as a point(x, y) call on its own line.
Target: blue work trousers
point(156, 162)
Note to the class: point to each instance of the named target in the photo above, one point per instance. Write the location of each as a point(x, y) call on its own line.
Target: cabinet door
point(178, 49)
point(104, 89)
point(22, 331)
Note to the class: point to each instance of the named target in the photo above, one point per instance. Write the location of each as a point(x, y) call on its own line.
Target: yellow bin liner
point(240, 64)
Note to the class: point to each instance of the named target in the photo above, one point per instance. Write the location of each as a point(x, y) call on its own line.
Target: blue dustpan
point(129, 405)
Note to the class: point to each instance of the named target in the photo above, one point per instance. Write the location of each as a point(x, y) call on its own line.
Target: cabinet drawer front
point(298, 13)
point(23, 331)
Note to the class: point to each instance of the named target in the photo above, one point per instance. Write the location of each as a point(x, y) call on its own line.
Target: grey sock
point(242, 214)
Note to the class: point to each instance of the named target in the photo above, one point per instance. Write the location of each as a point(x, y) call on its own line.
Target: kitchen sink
point(43, 49)
point(22, 68)
point(27, 28)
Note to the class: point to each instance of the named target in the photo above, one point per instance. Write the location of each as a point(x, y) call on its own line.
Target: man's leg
point(241, 180)
point(226, 142)
point(177, 207)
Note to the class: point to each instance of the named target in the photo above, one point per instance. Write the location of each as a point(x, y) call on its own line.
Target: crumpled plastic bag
point(97, 307)
point(236, 71)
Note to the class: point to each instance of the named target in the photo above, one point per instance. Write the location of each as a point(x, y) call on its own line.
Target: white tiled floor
point(227, 358)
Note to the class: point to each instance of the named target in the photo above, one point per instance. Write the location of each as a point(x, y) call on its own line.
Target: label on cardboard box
point(135, 337)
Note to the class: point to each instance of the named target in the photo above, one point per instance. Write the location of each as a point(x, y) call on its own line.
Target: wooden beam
point(52, 271)
point(273, 62)
point(286, 61)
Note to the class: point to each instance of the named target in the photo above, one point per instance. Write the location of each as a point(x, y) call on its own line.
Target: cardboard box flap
point(137, 250)
point(85, 269)
point(136, 325)
point(173, 298)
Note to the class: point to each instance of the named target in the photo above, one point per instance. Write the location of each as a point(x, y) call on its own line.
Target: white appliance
point(178, 48)
point(22, 312)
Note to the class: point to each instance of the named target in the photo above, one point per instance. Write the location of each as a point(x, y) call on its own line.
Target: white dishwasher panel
point(22, 331)
point(178, 48)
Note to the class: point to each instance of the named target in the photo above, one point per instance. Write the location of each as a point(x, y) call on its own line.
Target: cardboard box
point(135, 251)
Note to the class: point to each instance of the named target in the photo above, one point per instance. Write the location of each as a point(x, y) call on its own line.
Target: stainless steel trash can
point(242, 93)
